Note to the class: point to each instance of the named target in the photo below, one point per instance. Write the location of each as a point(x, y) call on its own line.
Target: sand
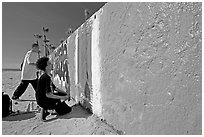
point(27, 122)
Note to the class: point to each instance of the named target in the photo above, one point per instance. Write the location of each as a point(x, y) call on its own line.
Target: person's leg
point(47, 104)
point(34, 83)
point(62, 108)
point(62, 94)
point(20, 89)
point(44, 114)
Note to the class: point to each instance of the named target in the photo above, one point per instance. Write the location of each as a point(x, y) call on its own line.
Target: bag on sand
point(62, 108)
point(6, 105)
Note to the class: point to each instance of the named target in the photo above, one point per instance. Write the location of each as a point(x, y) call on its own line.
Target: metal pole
point(45, 41)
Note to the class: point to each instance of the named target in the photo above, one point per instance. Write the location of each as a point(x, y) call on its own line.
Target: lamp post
point(45, 40)
point(37, 36)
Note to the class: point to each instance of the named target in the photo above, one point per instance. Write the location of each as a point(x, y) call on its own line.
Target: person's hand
point(68, 94)
point(64, 98)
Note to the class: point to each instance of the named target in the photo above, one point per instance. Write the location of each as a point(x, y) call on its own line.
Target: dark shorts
point(60, 107)
point(48, 103)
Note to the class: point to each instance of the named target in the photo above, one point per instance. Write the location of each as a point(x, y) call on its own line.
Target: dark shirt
point(45, 85)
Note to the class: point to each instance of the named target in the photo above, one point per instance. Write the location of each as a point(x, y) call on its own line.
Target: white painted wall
point(95, 66)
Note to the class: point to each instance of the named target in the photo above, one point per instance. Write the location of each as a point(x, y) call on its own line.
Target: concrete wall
point(139, 66)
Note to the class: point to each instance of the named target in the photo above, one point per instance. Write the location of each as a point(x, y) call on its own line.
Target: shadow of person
point(24, 100)
point(20, 116)
point(77, 112)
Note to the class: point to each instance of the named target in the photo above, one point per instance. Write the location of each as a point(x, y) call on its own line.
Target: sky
point(21, 20)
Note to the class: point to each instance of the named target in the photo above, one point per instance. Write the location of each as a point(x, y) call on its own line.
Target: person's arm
point(31, 59)
point(60, 91)
point(33, 64)
point(49, 93)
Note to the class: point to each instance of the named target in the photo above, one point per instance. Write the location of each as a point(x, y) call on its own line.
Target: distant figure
point(48, 96)
point(29, 71)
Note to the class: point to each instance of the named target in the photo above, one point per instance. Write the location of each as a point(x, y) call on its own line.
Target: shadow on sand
point(24, 100)
point(19, 116)
point(77, 112)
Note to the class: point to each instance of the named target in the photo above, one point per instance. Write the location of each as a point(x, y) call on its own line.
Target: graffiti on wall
point(72, 71)
point(77, 65)
point(61, 75)
point(138, 66)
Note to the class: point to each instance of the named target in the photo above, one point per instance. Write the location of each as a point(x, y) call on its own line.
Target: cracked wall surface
point(141, 63)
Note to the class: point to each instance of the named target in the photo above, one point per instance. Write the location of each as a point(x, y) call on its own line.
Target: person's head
point(44, 64)
point(35, 47)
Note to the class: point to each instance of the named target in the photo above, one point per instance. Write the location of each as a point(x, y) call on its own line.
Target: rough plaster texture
point(151, 67)
point(139, 67)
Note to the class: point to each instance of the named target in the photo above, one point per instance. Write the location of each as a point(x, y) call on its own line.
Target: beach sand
point(27, 122)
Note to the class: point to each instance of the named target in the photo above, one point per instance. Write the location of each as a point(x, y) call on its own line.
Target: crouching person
point(45, 91)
